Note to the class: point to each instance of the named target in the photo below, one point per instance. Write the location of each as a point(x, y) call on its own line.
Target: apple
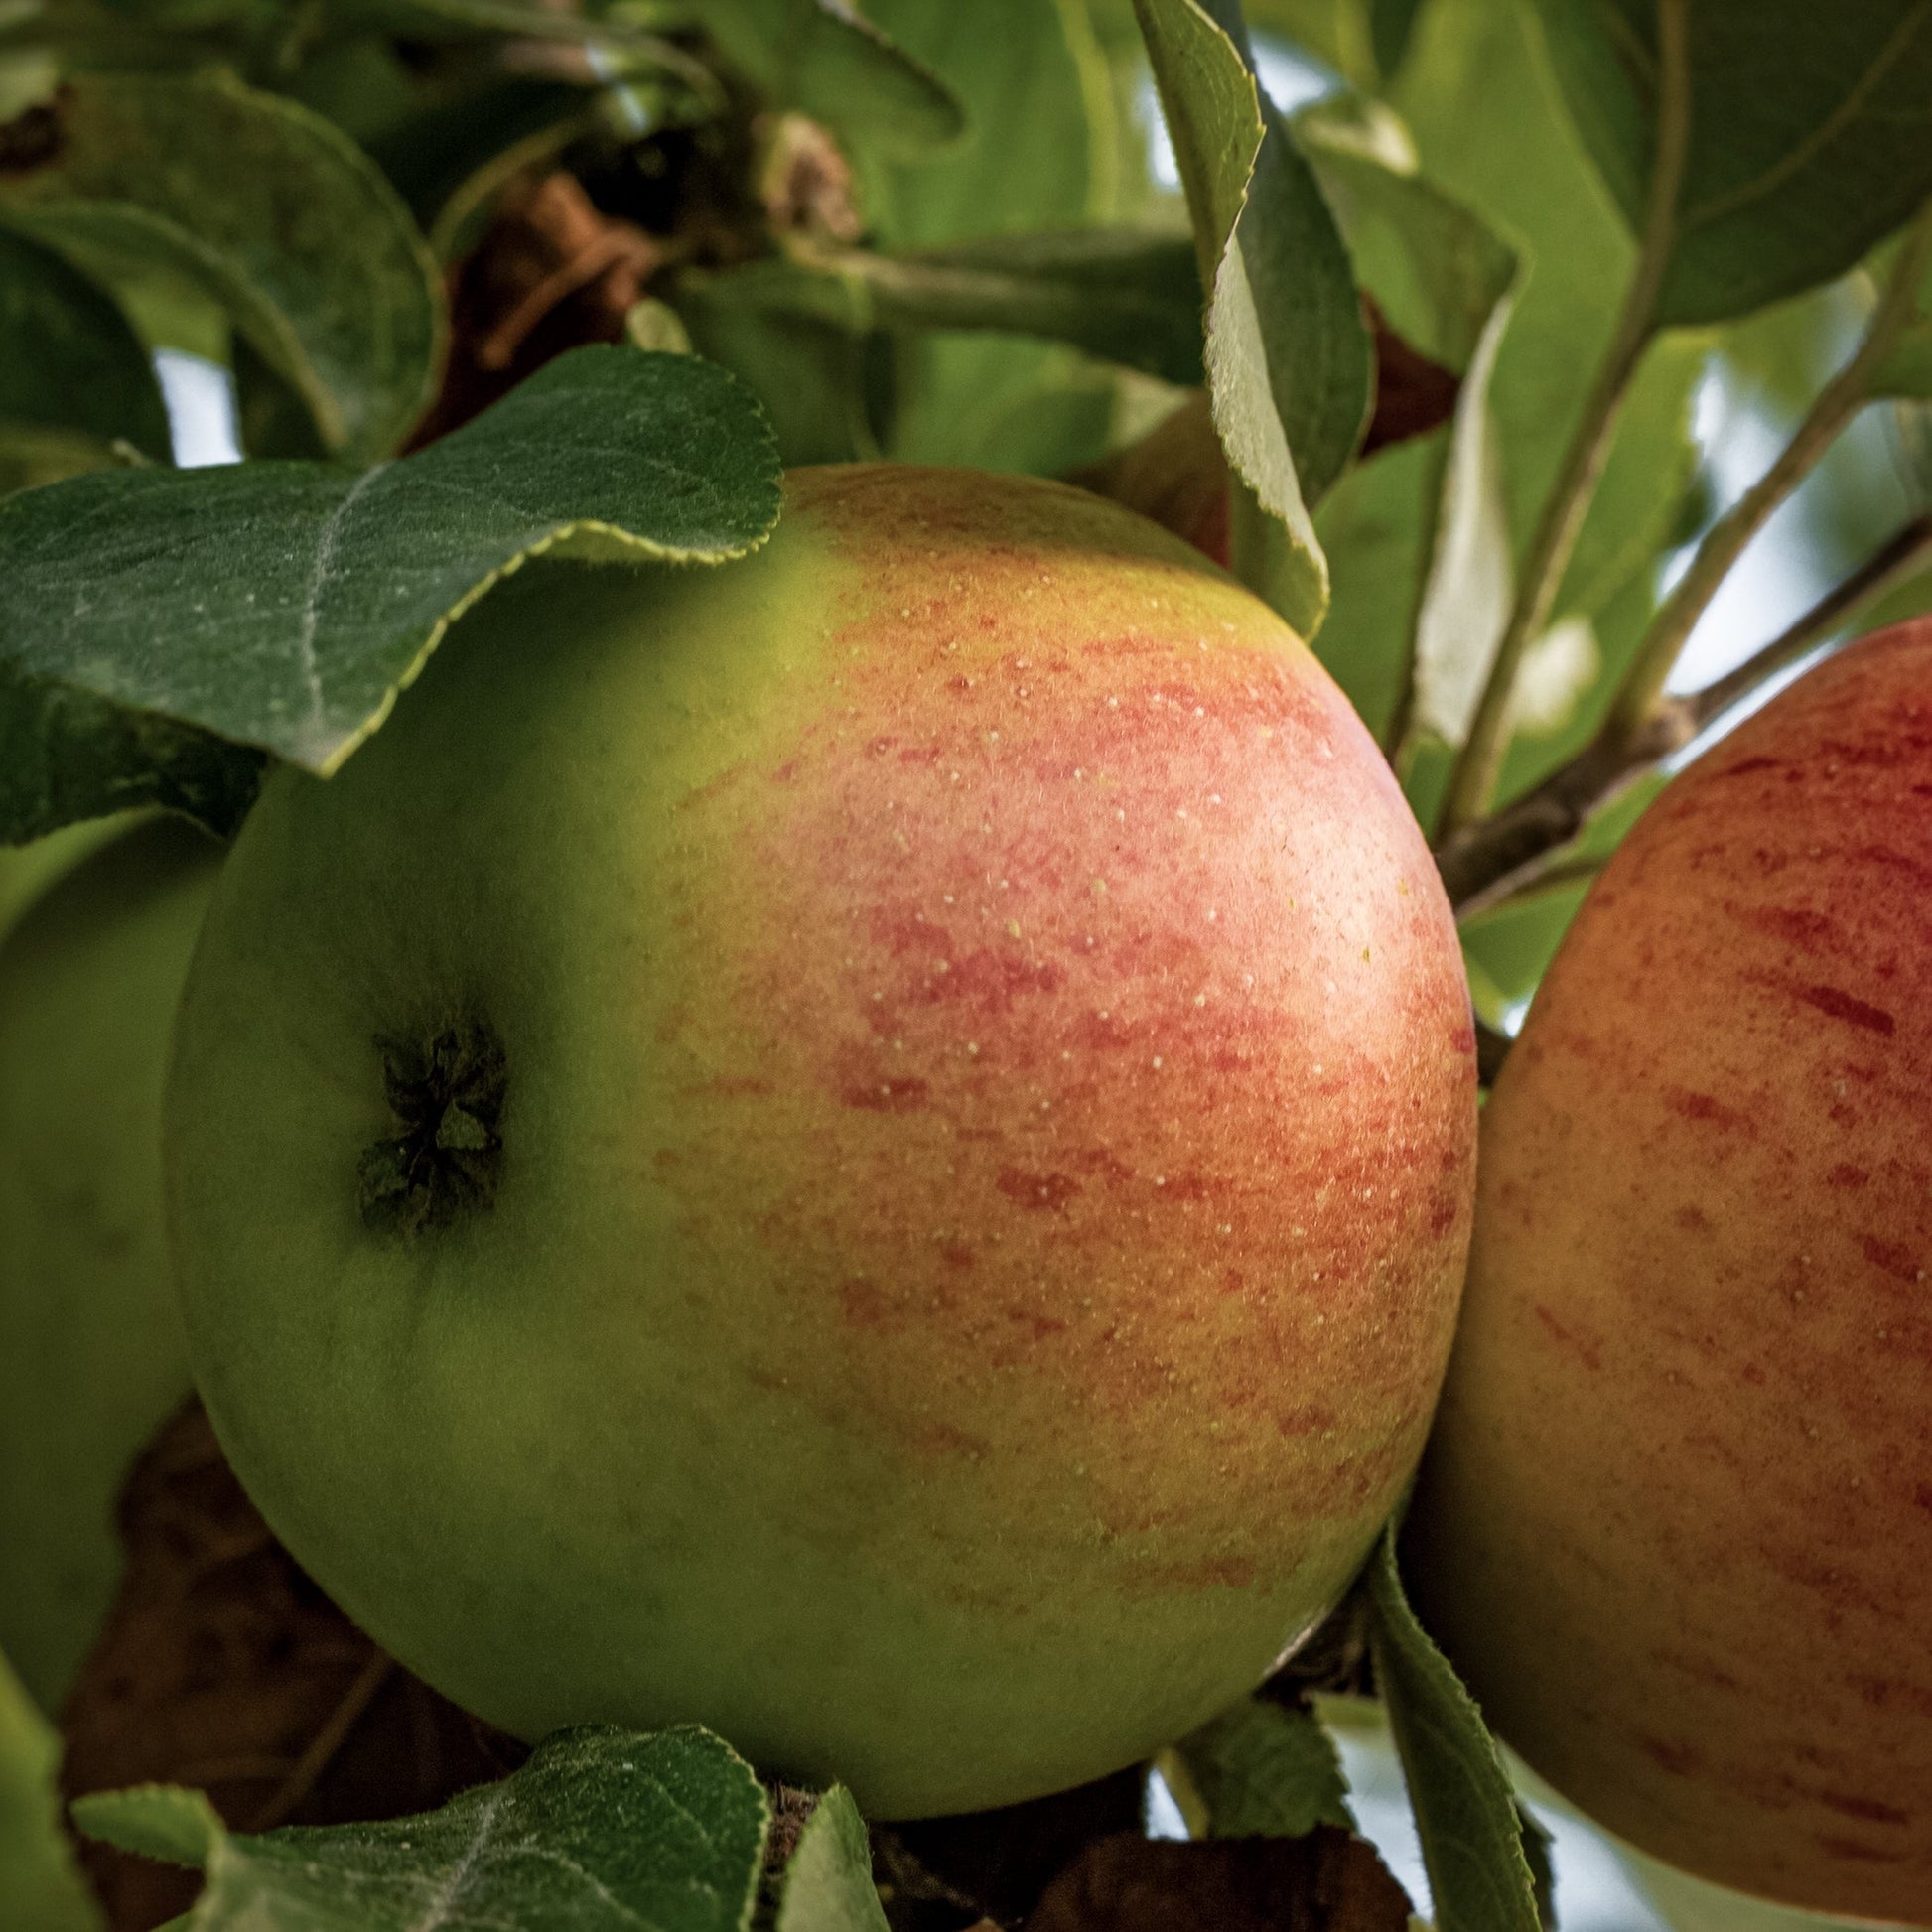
point(1675, 1524)
point(871, 1148)
point(26, 871)
point(91, 1356)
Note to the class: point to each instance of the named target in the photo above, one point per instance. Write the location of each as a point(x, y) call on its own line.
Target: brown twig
point(1727, 539)
point(1897, 562)
point(1499, 857)
point(1487, 862)
point(327, 1741)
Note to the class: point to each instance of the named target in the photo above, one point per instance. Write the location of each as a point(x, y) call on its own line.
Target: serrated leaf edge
point(585, 537)
point(94, 1813)
point(1395, 1617)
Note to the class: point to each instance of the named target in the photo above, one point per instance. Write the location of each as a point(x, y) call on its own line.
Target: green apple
point(26, 871)
point(92, 1357)
point(1675, 1521)
point(871, 1148)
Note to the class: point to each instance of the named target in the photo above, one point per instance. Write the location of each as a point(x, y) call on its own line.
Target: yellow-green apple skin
point(92, 1354)
point(985, 1147)
point(1675, 1523)
point(26, 871)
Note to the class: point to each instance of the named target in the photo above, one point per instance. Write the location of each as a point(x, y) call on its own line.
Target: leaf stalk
point(1480, 763)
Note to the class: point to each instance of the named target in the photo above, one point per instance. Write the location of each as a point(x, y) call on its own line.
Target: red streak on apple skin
point(1114, 971)
point(1711, 1156)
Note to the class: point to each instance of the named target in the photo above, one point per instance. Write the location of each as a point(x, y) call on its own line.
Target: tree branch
point(1897, 562)
point(1489, 863)
point(1725, 542)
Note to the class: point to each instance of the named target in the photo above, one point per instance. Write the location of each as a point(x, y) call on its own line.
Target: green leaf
point(1418, 540)
point(1538, 1848)
point(1810, 135)
point(815, 379)
point(1491, 129)
point(1260, 1769)
point(41, 1890)
point(69, 359)
point(1320, 357)
point(1129, 297)
point(603, 1831)
point(1043, 152)
point(1338, 33)
point(1391, 24)
point(435, 152)
point(1459, 1790)
point(1438, 270)
point(1375, 533)
point(68, 755)
point(281, 606)
point(1907, 372)
point(1289, 358)
point(272, 211)
point(825, 58)
point(828, 1884)
point(1512, 946)
point(155, 1821)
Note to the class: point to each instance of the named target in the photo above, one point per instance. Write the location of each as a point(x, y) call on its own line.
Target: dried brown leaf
point(1327, 1881)
point(552, 272)
point(32, 139)
point(1413, 395)
point(806, 181)
point(223, 1667)
point(945, 1873)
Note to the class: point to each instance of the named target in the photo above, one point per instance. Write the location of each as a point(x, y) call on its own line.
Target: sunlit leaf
point(1261, 1767)
point(1419, 546)
point(825, 58)
point(1491, 129)
point(1043, 152)
point(1288, 358)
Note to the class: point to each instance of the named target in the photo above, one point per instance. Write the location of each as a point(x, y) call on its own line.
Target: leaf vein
point(1821, 137)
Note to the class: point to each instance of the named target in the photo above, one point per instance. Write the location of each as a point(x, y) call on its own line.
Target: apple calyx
point(447, 1096)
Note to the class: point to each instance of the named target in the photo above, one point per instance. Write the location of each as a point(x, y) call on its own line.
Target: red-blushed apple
point(91, 1356)
point(870, 1147)
point(1675, 1523)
